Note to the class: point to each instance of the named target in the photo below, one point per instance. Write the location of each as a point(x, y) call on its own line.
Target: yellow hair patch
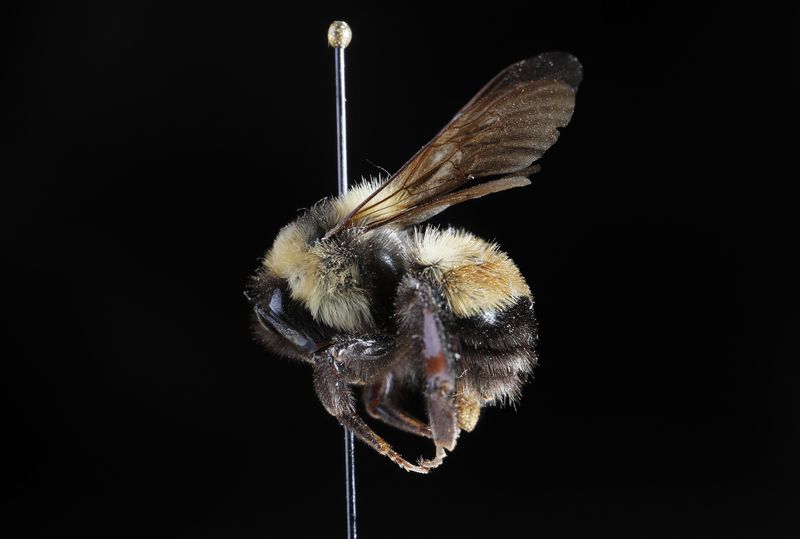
point(476, 275)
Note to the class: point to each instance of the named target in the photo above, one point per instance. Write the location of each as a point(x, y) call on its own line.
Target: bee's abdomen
point(491, 320)
point(498, 351)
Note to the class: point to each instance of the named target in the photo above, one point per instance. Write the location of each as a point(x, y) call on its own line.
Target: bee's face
point(287, 325)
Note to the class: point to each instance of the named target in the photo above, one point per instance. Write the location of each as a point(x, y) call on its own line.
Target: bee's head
point(283, 323)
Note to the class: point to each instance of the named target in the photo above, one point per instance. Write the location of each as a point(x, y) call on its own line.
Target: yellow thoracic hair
point(323, 280)
point(322, 275)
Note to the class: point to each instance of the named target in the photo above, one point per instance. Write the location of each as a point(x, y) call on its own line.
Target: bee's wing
point(501, 131)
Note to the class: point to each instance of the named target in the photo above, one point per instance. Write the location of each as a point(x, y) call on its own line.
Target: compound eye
point(275, 317)
point(276, 302)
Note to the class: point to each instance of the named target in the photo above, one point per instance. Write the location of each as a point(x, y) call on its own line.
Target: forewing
point(560, 66)
point(506, 127)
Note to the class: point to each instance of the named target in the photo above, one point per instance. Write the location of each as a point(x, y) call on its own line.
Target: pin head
point(339, 34)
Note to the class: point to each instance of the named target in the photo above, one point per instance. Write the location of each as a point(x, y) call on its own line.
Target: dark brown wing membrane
point(507, 126)
point(560, 66)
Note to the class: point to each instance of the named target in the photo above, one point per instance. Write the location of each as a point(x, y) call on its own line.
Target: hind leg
point(424, 320)
point(440, 381)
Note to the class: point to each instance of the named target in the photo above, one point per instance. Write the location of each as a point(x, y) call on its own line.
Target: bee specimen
point(360, 289)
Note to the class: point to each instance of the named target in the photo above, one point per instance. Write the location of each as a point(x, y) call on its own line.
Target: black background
point(152, 150)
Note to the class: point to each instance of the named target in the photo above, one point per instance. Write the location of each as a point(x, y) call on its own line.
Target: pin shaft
point(339, 36)
point(341, 119)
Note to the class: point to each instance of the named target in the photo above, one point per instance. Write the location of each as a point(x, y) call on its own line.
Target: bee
point(369, 296)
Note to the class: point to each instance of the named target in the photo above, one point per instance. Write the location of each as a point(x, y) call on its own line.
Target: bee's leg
point(421, 313)
point(364, 360)
point(336, 396)
point(380, 405)
point(364, 433)
point(440, 380)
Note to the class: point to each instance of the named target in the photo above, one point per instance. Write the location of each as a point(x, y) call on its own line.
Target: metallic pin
point(339, 36)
